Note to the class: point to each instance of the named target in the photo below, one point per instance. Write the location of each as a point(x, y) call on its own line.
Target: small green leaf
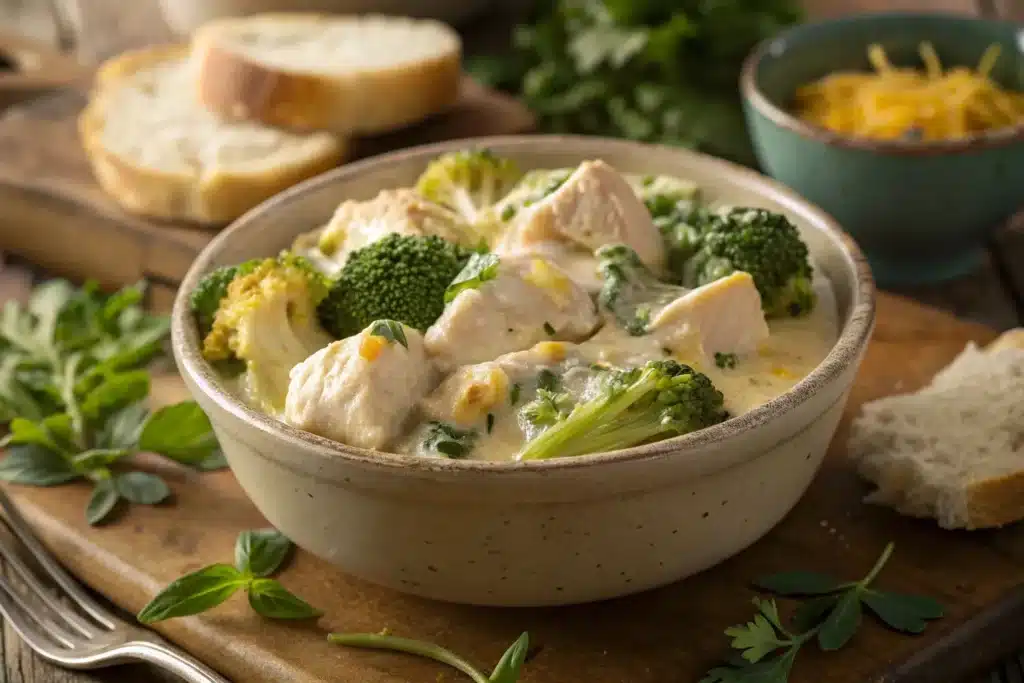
point(115, 392)
point(907, 613)
point(214, 461)
point(758, 638)
point(36, 466)
point(102, 502)
point(270, 599)
point(798, 583)
point(261, 552)
point(511, 663)
point(194, 593)
point(479, 269)
point(181, 432)
point(142, 488)
point(810, 612)
point(390, 330)
point(549, 329)
point(122, 429)
point(842, 622)
point(25, 432)
point(93, 458)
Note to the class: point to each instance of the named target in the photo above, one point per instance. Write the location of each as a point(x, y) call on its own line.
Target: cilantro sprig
point(258, 555)
point(73, 385)
point(830, 615)
point(508, 669)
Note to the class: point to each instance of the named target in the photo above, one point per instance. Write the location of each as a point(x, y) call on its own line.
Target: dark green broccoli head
point(768, 247)
point(630, 291)
point(681, 224)
point(400, 277)
point(656, 401)
point(206, 297)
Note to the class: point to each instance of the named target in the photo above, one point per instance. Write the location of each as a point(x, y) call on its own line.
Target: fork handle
point(173, 661)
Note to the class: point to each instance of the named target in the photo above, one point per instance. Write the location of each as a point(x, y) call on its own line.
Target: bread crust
point(238, 87)
point(211, 198)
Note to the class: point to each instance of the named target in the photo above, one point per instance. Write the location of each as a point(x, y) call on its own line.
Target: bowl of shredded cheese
point(908, 128)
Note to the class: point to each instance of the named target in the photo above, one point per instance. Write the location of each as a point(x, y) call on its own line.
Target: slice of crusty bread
point(349, 75)
point(955, 449)
point(157, 152)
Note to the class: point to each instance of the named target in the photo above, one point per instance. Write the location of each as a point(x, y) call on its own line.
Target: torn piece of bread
point(955, 449)
point(348, 75)
point(159, 153)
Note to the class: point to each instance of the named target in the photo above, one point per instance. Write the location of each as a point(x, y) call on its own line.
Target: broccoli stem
point(574, 435)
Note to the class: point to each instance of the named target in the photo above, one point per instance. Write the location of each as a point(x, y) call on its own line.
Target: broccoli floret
point(205, 298)
point(400, 277)
point(267, 319)
point(470, 183)
point(766, 245)
point(547, 408)
point(726, 361)
point(630, 291)
point(681, 227)
point(444, 440)
point(659, 400)
point(661, 193)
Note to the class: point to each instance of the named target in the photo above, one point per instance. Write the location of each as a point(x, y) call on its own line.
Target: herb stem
point(879, 564)
point(377, 641)
point(67, 393)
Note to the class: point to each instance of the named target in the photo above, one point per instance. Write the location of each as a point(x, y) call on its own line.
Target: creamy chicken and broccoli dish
point(491, 313)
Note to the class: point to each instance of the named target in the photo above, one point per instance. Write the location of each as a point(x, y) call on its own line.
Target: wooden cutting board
point(664, 636)
point(56, 216)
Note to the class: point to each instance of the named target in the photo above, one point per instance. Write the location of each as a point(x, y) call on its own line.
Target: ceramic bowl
point(547, 532)
point(921, 211)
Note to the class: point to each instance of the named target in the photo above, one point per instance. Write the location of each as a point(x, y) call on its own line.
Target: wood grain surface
point(664, 635)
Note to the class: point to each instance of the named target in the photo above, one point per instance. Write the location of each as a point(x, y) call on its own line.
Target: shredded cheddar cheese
point(906, 103)
point(555, 284)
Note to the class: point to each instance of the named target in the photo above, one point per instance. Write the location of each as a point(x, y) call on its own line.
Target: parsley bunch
point(73, 384)
point(652, 70)
point(830, 615)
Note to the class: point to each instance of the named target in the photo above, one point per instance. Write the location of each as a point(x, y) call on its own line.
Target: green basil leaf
point(25, 432)
point(46, 303)
point(181, 432)
point(142, 488)
point(36, 466)
point(15, 397)
point(193, 593)
point(270, 599)
point(214, 461)
point(115, 392)
point(479, 269)
point(511, 663)
point(261, 552)
point(127, 297)
point(122, 429)
point(102, 502)
point(842, 622)
point(798, 583)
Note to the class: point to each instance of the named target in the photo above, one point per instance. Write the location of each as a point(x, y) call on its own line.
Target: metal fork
point(64, 625)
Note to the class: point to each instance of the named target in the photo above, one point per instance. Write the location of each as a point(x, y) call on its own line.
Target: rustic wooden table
point(993, 295)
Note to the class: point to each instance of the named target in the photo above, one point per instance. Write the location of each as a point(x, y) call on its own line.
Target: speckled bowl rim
point(847, 350)
point(752, 92)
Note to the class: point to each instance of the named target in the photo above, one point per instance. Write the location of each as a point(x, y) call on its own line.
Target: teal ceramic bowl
point(922, 212)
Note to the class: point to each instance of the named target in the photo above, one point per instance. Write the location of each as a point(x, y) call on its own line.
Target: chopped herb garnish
point(490, 422)
point(508, 213)
point(549, 329)
point(448, 441)
point(548, 380)
point(725, 360)
point(513, 394)
point(390, 330)
point(479, 269)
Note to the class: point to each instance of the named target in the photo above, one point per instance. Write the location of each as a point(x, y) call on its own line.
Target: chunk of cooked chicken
point(579, 263)
point(468, 395)
point(595, 206)
point(356, 224)
point(513, 304)
point(724, 316)
point(361, 390)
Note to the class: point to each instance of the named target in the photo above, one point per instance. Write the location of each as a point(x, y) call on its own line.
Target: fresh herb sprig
point(508, 669)
point(830, 615)
point(73, 384)
point(258, 554)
